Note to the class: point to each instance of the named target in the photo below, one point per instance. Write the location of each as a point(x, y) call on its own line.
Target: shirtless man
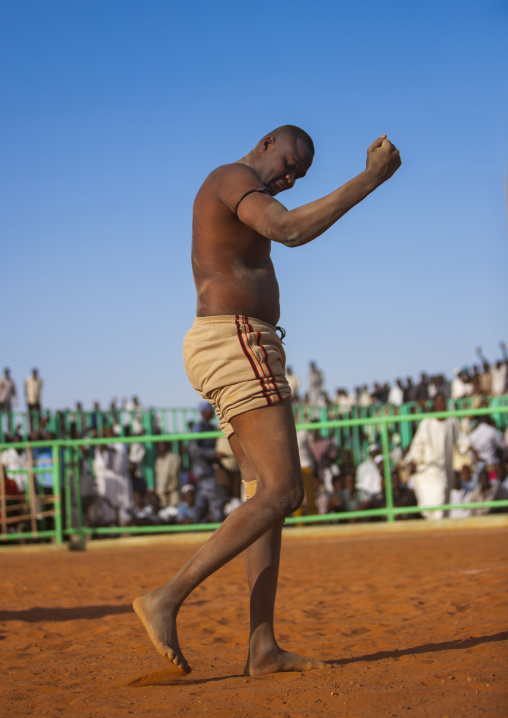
point(235, 359)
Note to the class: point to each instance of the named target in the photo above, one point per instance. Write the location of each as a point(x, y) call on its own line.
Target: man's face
point(284, 161)
point(439, 403)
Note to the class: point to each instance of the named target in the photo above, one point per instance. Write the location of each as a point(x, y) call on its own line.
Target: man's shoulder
point(231, 176)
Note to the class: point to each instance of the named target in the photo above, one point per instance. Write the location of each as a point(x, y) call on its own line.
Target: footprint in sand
point(166, 677)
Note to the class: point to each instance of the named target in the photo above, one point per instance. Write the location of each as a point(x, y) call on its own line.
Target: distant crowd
point(199, 481)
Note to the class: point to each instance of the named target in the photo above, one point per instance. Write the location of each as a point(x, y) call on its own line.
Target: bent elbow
point(289, 237)
point(292, 241)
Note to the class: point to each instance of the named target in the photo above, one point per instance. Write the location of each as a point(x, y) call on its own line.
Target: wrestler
point(236, 218)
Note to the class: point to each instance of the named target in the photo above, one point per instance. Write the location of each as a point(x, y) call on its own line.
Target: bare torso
point(231, 263)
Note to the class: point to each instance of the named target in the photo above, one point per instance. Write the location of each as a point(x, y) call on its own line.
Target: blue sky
point(114, 112)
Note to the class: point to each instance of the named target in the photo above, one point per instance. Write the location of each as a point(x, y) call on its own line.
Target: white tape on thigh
point(250, 488)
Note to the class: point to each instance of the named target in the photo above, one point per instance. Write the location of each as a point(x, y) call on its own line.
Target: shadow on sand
point(459, 644)
point(75, 613)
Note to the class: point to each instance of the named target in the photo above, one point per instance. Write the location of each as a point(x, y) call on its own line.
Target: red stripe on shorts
point(270, 379)
point(245, 350)
point(272, 375)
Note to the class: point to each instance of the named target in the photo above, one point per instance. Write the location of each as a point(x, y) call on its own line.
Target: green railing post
point(55, 449)
point(77, 494)
point(68, 488)
point(387, 471)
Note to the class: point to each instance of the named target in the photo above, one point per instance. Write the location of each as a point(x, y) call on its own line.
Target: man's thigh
point(267, 437)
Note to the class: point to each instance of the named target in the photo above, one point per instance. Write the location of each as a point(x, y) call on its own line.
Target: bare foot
point(160, 625)
point(277, 661)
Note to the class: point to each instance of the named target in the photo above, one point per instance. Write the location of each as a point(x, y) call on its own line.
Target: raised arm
point(296, 227)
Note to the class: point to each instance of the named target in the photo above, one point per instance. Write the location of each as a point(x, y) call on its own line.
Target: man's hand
point(383, 159)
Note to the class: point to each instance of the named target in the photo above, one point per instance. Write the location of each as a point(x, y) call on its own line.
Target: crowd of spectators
point(485, 378)
point(199, 481)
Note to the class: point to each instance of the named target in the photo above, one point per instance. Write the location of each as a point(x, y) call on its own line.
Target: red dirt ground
point(408, 623)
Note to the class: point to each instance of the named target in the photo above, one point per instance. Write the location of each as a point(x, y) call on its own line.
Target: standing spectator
point(315, 382)
point(475, 377)
point(499, 371)
point(135, 415)
point(431, 454)
point(486, 380)
point(294, 384)
point(210, 497)
point(396, 393)
point(8, 395)
point(458, 386)
point(33, 392)
point(167, 474)
point(421, 390)
point(365, 398)
point(344, 400)
point(409, 391)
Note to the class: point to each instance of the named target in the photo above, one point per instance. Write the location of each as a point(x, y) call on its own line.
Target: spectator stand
point(68, 456)
point(30, 498)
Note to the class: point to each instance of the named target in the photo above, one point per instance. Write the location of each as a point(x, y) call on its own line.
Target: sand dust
point(409, 624)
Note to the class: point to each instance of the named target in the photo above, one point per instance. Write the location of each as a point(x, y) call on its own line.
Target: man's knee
point(291, 499)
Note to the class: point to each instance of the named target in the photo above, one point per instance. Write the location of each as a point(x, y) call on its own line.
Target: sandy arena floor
point(409, 624)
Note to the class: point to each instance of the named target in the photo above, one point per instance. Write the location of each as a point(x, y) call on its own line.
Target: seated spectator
point(485, 491)
point(486, 443)
point(210, 497)
point(12, 460)
point(187, 509)
point(335, 503)
point(466, 478)
point(368, 474)
point(323, 451)
point(227, 471)
point(349, 498)
point(354, 499)
point(459, 494)
point(145, 508)
point(137, 452)
point(112, 480)
point(402, 495)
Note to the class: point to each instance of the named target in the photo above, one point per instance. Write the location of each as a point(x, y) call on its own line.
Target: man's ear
point(267, 143)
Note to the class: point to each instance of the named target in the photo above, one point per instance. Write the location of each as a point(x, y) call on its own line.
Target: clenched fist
point(383, 159)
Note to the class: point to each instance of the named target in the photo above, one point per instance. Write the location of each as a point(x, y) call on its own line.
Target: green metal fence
point(64, 518)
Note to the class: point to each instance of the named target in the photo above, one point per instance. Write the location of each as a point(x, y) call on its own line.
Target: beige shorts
point(237, 363)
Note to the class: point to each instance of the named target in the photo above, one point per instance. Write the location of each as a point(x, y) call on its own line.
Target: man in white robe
point(431, 454)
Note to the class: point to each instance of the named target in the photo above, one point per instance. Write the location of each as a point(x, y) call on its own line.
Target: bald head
point(292, 133)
